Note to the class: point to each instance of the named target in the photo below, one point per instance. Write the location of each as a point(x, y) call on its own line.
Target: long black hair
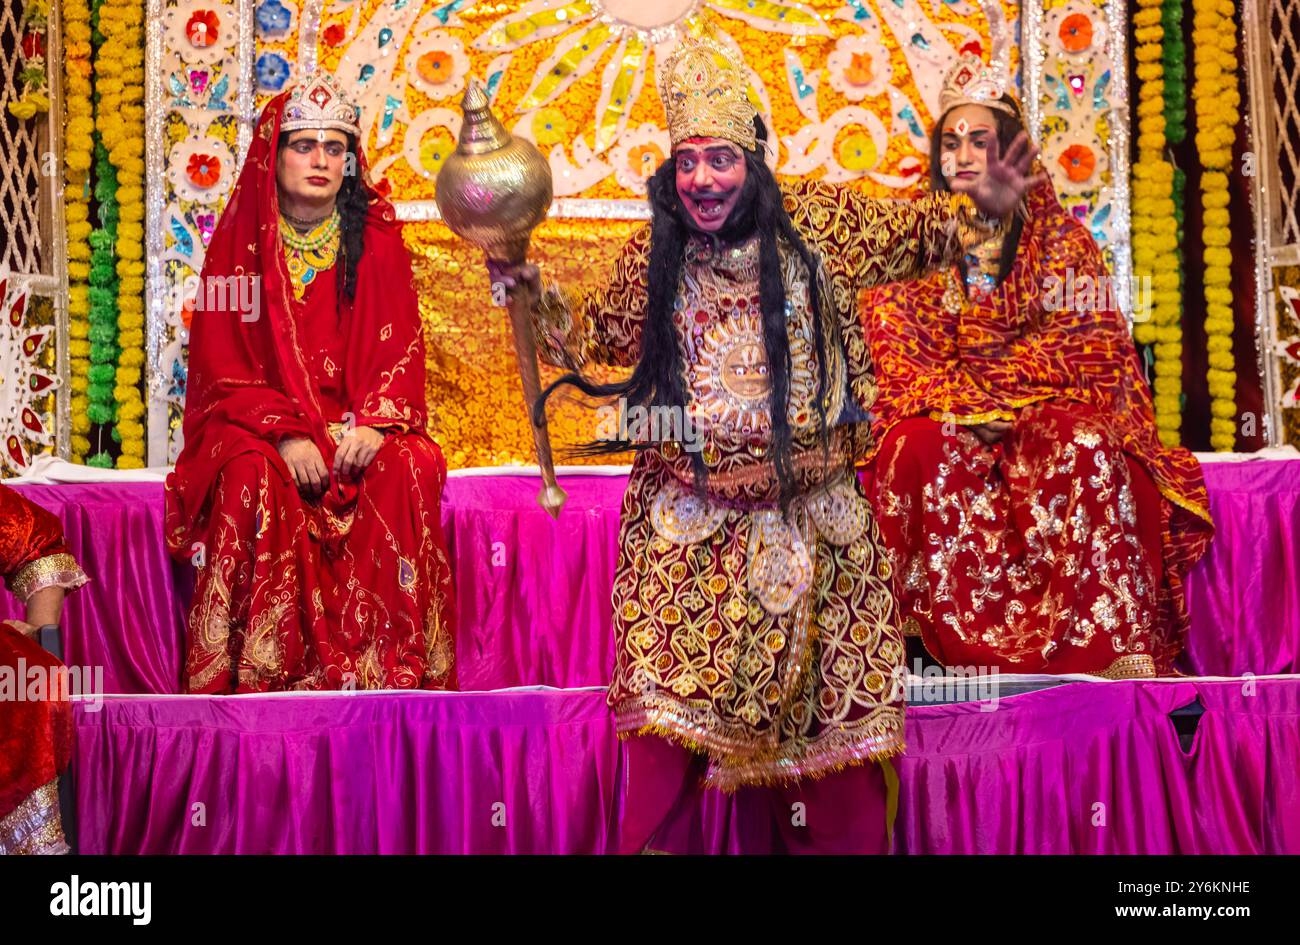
point(352, 202)
point(658, 379)
point(1008, 126)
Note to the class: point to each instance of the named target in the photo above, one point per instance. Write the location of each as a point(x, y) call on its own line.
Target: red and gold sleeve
point(605, 326)
point(33, 555)
point(875, 241)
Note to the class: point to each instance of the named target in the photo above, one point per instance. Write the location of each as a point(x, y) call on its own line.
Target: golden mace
point(493, 191)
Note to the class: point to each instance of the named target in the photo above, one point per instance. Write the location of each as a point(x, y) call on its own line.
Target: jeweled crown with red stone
point(971, 82)
point(317, 101)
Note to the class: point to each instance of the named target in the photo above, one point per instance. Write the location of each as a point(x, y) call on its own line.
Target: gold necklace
point(319, 236)
point(307, 255)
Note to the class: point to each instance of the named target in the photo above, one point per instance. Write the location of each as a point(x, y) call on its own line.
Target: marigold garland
point(1174, 60)
point(1216, 101)
point(1175, 66)
point(122, 97)
point(1155, 228)
point(1175, 63)
point(77, 153)
point(1161, 75)
point(103, 280)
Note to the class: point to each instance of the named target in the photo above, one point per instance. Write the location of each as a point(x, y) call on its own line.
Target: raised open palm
point(1006, 179)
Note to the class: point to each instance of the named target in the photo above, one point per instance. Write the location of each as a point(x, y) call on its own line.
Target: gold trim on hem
point(778, 772)
point(973, 420)
point(57, 570)
point(1132, 666)
point(737, 762)
point(34, 827)
point(1184, 504)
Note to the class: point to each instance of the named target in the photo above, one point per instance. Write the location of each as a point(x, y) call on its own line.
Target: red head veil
point(249, 384)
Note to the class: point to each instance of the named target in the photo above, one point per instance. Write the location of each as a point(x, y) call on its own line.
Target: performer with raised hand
point(35, 734)
point(308, 490)
point(753, 613)
point(1034, 521)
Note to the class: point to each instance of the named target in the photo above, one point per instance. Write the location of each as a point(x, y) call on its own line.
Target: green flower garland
point(1174, 59)
point(104, 350)
point(1175, 63)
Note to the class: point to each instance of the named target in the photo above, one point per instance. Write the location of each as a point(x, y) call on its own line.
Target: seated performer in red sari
point(308, 490)
point(1034, 521)
point(35, 734)
point(753, 614)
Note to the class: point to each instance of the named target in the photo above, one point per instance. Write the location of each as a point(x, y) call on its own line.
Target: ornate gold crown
point(971, 82)
point(317, 101)
point(704, 94)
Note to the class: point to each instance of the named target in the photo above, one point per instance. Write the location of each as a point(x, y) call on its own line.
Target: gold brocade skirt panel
point(770, 644)
point(34, 826)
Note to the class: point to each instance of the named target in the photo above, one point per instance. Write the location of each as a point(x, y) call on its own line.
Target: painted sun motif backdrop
point(851, 89)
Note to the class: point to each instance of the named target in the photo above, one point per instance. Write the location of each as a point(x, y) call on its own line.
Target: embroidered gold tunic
point(767, 641)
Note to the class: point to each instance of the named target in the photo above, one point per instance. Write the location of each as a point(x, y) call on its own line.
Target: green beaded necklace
point(311, 241)
point(308, 254)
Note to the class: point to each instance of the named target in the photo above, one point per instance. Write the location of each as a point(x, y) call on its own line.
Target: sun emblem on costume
point(731, 382)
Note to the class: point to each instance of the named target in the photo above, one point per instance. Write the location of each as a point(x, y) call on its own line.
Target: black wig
point(658, 379)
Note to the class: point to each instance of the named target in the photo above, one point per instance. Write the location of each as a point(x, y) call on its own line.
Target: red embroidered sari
point(1063, 547)
point(354, 588)
point(35, 735)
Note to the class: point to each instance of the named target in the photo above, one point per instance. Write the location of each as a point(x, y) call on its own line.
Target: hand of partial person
point(26, 629)
point(1006, 179)
point(515, 276)
point(357, 448)
point(991, 432)
point(306, 465)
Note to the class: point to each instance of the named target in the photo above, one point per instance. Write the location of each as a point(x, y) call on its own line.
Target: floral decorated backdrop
point(848, 86)
point(1075, 58)
point(850, 89)
point(151, 105)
